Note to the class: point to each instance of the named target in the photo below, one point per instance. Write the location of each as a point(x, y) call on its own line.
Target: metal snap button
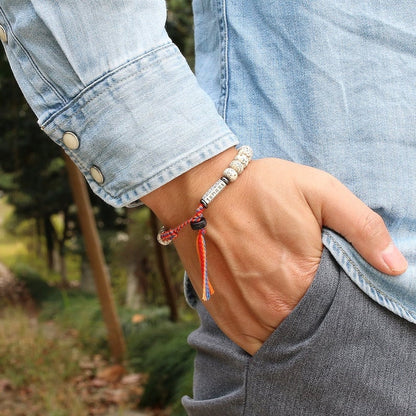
point(97, 175)
point(70, 140)
point(3, 34)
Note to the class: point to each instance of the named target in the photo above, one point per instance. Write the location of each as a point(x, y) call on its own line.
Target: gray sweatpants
point(338, 353)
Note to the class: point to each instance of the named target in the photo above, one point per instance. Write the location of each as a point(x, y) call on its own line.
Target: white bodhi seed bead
point(237, 166)
point(243, 159)
point(230, 174)
point(246, 151)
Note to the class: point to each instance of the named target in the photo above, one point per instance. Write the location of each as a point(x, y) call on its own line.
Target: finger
point(346, 214)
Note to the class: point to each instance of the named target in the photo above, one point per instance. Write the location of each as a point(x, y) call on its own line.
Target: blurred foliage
point(155, 346)
point(39, 289)
point(82, 312)
point(179, 25)
point(71, 308)
point(136, 249)
point(162, 352)
point(33, 178)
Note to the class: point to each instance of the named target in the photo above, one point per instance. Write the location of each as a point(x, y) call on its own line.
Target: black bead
point(200, 224)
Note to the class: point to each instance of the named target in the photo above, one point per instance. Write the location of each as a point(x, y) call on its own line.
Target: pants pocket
point(283, 358)
point(311, 310)
point(219, 371)
point(224, 372)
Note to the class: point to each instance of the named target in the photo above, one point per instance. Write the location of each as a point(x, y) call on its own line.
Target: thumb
point(346, 214)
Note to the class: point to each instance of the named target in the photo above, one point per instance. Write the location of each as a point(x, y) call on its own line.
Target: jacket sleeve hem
point(141, 125)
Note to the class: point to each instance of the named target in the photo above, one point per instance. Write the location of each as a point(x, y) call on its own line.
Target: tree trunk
point(134, 297)
point(48, 231)
point(38, 238)
point(62, 251)
point(62, 264)
point(97, 262)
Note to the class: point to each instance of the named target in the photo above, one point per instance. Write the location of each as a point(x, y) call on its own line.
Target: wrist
point(177, 200)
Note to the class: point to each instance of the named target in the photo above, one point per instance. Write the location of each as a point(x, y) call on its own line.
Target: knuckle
point(328, 178)
point(329, 183)
point(372, 225)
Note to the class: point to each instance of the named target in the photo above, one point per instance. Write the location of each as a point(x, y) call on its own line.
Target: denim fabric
point(329, 84)
point(108, 72)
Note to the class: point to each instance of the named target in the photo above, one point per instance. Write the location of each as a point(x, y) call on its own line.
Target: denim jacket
point(325, 84)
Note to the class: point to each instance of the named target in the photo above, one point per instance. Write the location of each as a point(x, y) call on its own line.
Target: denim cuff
point(140, 126)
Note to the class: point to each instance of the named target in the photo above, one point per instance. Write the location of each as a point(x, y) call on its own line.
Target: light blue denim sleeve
point(107, 72)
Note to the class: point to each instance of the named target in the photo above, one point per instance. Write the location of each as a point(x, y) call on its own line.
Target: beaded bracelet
point(198, 222)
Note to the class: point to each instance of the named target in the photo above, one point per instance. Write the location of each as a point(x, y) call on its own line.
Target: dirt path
point(45, 372)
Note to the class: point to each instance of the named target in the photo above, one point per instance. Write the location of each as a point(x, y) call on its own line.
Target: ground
point(45, 372)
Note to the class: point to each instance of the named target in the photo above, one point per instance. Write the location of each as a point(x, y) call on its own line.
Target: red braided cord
point(172, 233)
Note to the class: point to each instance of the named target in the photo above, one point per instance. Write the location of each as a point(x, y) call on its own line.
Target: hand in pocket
point(264, 244)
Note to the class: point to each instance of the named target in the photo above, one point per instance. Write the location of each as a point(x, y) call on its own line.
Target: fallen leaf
point(5, 385)
point(111, 374)
point(117, 396)
point(132, 379)
point(98, 382)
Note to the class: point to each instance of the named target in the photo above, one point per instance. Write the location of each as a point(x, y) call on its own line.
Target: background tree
point(179, 25)
point(34, 177)
point(33, 174)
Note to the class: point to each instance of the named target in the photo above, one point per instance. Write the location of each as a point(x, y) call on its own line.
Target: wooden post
point(96, 259)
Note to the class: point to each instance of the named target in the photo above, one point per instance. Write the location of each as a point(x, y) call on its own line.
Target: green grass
point(38, 360)
point(161, 351)
point(155, 346)
point(79, 311)
point(11, 247)
point(18, 247)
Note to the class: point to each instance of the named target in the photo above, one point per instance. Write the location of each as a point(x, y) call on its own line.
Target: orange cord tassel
point(207, 289)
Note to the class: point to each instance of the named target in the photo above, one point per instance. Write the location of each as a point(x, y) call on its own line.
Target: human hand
point(264, 244)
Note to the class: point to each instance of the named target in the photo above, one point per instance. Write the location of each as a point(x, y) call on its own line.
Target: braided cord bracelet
point(198, 222)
